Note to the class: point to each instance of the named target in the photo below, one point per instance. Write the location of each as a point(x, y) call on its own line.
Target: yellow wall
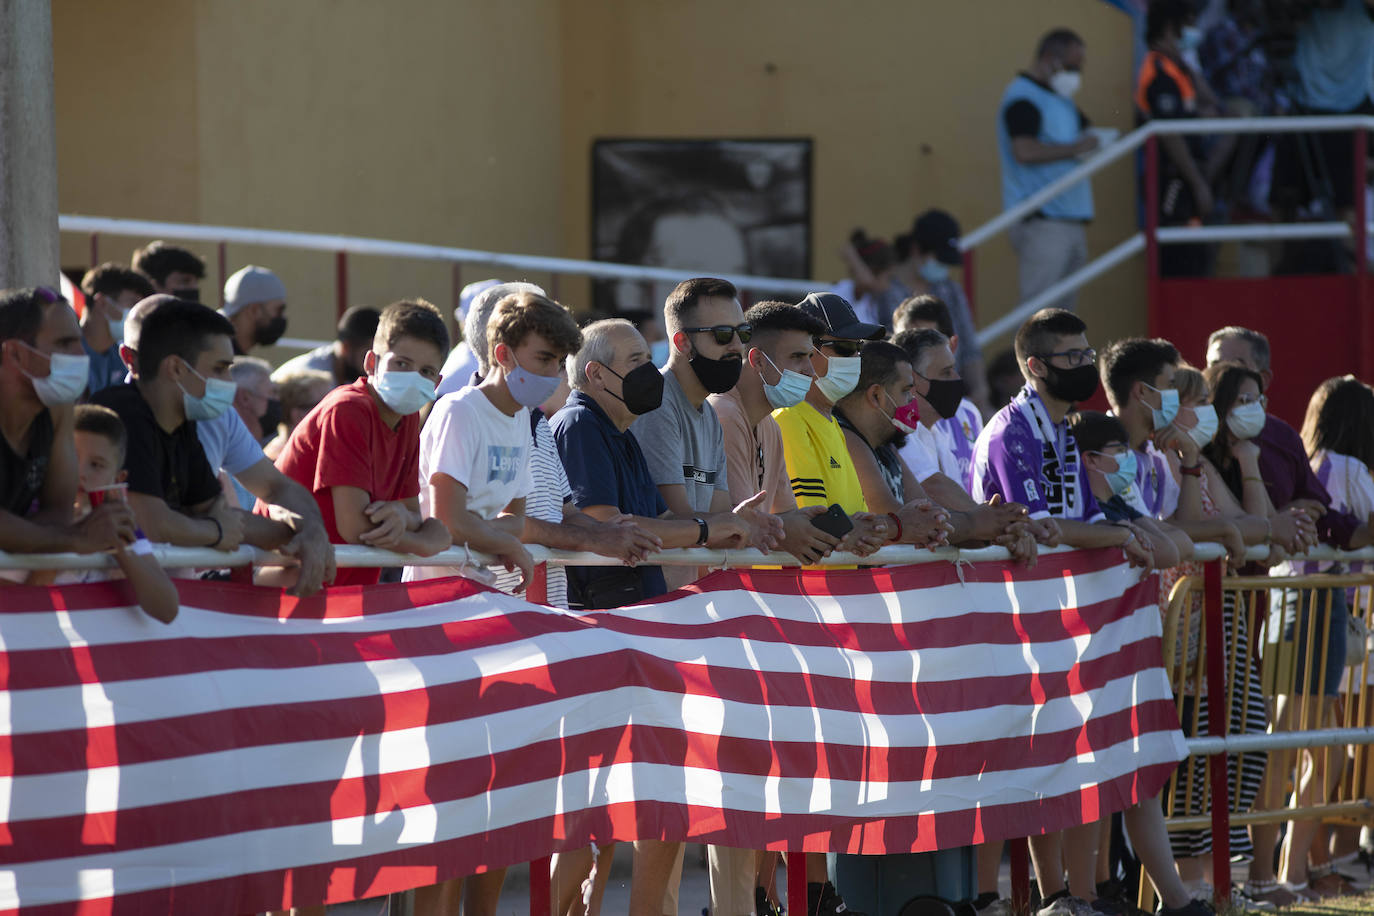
point(471, 123)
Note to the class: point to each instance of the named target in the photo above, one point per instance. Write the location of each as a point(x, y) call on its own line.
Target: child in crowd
point(100, 443)
point(358, 451)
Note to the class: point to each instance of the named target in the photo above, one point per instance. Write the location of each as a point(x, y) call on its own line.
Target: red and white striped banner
point(264, 751)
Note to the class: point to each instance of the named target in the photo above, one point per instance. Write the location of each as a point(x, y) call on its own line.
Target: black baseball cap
point(839, 318)
point(938, 232)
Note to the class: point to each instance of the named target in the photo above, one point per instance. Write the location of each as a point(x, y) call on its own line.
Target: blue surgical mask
point(1190, 39)
point(1121, 479)
point(530, 390)
point(219, 394)
point(1206, 427)
point(1164, 414)
point(404, 392)
point(790, 390)
point(932, 271)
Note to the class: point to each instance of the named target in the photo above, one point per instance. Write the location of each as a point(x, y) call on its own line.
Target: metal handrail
point(352, 244)
point(349, 555)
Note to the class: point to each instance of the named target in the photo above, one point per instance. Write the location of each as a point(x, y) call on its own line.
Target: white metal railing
point(1173, 235)
point(350, 555)
point(352, 244)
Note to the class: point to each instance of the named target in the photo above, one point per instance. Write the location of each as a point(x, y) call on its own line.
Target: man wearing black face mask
point(171, 269)
point(682, 440)
point(255, 304)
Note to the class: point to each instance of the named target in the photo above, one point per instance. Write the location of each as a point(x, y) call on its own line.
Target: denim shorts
point(1301, 612)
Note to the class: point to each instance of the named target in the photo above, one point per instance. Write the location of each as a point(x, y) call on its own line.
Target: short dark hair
point(157, 260)
point(1165, 13)
point(1036, 336)
point(1094, 430)
point(112, 279)
point(177, 328)
point(1057, 41)
point(411, 318)
point(521, 314)
point(102, 421)
point(878, 362)
point(358, 325)
point(925, 308)
point(1135, 359)
point(21, 312)
point(771, 317)
point(680, 308)
point(916, 341)
point(1259, 344)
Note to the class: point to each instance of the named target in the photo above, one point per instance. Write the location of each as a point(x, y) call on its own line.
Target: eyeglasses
point(1075, 357)
point(842, 348)
point(1261, 399)
point(724, 332)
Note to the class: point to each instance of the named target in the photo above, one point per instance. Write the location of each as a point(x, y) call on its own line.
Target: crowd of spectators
point(806, 428)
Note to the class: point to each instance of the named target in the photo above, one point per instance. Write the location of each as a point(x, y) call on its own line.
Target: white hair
point(248, 370)
point(597, 347)
point(479, 313)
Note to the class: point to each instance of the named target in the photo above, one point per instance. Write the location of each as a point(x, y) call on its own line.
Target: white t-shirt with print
point(470, 440)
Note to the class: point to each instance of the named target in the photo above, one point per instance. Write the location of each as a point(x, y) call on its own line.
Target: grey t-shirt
point(683, 444)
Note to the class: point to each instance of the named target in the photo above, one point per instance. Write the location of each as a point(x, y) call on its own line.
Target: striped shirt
point(545, 503)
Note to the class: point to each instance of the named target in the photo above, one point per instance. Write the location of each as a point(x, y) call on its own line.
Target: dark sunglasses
point(724, 332)
point(843, 347)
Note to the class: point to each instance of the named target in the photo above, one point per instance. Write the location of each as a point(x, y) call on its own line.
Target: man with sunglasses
point(42, 371)
point(1026, 454)
point(682, 440)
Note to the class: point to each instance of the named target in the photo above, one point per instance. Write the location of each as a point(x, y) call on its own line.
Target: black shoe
point(823, 900)
point(1111, 889)
point(762, 905)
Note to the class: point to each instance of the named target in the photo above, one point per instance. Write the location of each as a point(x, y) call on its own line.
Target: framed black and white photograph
point(708, 206)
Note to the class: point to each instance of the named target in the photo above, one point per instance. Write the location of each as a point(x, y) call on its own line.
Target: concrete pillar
point(28, 146)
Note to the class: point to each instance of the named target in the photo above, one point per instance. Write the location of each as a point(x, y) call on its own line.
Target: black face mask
point(716, 375)
point(190, 293)
point(270, 333)
point(270, 418)
point(945, 394)
point(1072, 385)
point(641, 388)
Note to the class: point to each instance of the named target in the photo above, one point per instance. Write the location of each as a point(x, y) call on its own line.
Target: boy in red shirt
point(358, 450)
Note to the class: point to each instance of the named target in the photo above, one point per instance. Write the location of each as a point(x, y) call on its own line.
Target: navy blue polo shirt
point(605, 468)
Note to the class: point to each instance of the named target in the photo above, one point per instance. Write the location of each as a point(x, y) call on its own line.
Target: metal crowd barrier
point(1216, 628)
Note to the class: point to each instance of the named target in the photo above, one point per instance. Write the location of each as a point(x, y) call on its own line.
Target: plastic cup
point(115, 491)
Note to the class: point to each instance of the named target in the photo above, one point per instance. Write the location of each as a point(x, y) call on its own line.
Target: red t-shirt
point(344, 443)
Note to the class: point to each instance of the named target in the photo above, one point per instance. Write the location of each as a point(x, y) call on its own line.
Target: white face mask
point(841, 375)
point(1246, 420)
point(66, 379)
point(1066, 83)
point(1206, 426)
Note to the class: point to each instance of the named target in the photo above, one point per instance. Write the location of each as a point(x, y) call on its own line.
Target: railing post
point(95, 249)
point(1364, 325)
point(796, 881)
point(341, 282)
point(1218, 725)
point(970, 284)
point(1019, 852)
point(222, 254)
point(1151, 205)
point(541, 889)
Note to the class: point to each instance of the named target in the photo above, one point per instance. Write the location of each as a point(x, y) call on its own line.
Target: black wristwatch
point(705, 534)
